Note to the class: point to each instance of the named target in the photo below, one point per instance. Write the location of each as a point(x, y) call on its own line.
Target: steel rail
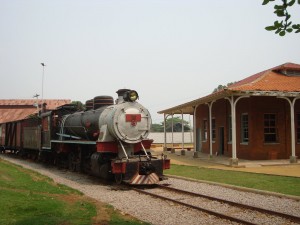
point(210, 212)
point(266, 211)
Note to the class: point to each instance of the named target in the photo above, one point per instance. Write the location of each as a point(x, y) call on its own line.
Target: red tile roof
point(18, 109)
point(271, 80)
point(51, 103)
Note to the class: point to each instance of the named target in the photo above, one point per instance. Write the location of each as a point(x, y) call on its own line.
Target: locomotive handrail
point(85, 130)
point(123, 149)
point(75, 126)
point(145, 151)
point(69, 136)
point(62, 126)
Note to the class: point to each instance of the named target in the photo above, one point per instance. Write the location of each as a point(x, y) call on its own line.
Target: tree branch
point(285, 25)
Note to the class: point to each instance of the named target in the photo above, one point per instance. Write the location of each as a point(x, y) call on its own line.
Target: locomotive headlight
point(131, 96)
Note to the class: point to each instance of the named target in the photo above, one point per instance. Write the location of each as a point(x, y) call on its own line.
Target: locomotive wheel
point(118, 178)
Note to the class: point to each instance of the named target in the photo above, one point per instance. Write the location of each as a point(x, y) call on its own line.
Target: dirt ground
point(275, 167)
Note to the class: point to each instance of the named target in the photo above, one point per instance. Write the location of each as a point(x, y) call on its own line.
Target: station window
point(213, 128)
point(204, 130)
point(270, 129)
point(298, 127)
point(244, 128)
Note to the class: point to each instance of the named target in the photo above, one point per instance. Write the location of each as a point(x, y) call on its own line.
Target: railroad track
point(224, 209)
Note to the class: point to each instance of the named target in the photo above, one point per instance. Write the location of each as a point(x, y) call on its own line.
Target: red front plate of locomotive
point(133, 118)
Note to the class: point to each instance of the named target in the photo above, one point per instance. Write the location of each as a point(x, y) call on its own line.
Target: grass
point(17, 178)
point(29, 208)
point(28, 198)
point(279, 184)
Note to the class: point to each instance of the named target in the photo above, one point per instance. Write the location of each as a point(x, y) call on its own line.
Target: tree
point(285, 25)
point(155, 127)
point(221, 87)
point(79, 105)
point(177, 125)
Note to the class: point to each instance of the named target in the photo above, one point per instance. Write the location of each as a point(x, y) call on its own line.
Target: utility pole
point(43, 64)
point(37, 102)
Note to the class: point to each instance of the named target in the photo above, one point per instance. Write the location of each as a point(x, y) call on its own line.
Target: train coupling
point(146, 168)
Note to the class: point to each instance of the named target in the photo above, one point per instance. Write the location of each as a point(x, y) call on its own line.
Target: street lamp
point(43, 64)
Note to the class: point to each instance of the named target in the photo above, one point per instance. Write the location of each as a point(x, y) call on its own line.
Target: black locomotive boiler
point(108, 139)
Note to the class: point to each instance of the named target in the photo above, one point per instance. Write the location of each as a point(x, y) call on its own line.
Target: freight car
point(108, 139)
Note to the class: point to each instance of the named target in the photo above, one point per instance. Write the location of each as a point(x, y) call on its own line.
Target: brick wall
point(255, 107)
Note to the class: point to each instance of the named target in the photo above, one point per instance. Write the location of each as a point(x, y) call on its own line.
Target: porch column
point(234, 160)
point(210, 104)
point(172, 124)
point(194, 133)
point(196, 151)
point(293, 157)
point(182, 129)
point(165, 135)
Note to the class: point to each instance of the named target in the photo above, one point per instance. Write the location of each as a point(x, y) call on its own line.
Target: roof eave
point(188, 108)
point(273, 93)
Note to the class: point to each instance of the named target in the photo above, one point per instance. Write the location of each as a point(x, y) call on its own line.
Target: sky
point(169, 51)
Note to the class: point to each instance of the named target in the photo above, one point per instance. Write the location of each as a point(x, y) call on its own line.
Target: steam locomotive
point(108, 139)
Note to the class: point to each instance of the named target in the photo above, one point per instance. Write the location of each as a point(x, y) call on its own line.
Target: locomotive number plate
point(133, 118)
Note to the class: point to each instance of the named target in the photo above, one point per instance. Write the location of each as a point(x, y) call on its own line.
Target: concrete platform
point(281, 167)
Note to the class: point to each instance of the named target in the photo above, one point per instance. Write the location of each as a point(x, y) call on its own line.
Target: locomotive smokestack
point(120, 93)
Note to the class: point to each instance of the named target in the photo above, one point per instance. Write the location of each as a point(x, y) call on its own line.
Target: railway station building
point(257, 118)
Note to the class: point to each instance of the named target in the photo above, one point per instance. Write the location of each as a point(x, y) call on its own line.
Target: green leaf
point(277, 24)
point(280, 7)
point(279, 13)
point(282, 33)
point(266, 2)
point(298, 31)
point(277, 31)
point(270, 28)
point(292, 2)
point(296, 26)
point(289, 30)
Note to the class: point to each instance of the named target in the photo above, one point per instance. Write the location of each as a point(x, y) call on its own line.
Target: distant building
point(18, 109)
point(257, 118)
point(158, 137)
